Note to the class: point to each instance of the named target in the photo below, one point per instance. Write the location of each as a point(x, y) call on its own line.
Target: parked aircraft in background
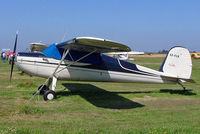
point(195, 55)
point(37, 47)
point(125, 55)
point(82, 59)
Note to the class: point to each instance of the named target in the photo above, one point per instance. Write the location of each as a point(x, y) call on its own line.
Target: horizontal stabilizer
point(189, 80)
point(182, 79)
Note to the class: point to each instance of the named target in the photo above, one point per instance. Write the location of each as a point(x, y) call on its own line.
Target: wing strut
point(63, 57)
point(77, 60)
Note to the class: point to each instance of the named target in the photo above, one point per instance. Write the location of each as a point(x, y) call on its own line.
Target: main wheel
point(49, 95)
point(44, 88)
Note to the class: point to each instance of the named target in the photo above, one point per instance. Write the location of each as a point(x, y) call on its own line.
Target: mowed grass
point(99, 107)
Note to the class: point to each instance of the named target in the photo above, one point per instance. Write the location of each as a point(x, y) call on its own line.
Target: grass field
point(96, 107)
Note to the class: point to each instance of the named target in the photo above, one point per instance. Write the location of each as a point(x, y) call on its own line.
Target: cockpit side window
point(31, 54)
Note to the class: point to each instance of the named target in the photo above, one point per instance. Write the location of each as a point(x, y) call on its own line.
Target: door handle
point(45, 59)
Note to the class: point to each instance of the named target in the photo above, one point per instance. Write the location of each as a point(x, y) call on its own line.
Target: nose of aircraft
point(17, 63)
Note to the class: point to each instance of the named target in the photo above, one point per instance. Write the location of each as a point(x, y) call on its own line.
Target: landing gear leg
point(54, 83)
point(180, 83)
point(50, 94)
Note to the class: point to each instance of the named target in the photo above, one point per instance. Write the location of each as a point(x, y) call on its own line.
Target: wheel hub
point(50, 96)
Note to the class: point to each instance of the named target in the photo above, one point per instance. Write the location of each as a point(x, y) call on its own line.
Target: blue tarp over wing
point(52, 52)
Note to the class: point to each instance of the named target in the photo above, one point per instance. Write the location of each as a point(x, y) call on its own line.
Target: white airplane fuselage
point(45, 66)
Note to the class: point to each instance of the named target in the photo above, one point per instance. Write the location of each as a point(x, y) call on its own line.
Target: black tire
point(49, 95)
point(44, 89)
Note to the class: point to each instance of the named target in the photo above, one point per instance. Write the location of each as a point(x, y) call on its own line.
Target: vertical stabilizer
point(177, 63)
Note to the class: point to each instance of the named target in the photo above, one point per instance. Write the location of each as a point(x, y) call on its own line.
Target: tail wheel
point(49, 95)
point(44, 89)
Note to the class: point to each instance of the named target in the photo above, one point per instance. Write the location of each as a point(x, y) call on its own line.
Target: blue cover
point(52, 52)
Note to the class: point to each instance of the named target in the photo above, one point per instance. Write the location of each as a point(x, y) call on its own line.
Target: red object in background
point(196, 57)
point(9, 53)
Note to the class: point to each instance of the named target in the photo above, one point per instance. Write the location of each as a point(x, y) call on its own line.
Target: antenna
point(64, 36)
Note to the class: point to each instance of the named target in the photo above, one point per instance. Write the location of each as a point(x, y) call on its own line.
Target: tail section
point(177, 63)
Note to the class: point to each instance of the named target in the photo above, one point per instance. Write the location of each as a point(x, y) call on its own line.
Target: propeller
point(13, 57)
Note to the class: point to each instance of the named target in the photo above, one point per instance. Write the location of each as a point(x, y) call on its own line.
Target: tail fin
point(177, 63)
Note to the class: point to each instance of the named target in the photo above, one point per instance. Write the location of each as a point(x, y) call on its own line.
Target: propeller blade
point(15, 46)
point(13, 58)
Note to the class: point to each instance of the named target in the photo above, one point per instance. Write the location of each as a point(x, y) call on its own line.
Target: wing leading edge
point(89, 44)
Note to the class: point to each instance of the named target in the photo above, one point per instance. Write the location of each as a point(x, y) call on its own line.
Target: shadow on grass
point(99, 97)
point(180, 92)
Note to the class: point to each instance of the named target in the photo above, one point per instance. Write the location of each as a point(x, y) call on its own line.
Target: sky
point(143, 25)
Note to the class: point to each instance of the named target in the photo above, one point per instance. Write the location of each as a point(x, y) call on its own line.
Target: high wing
point(89, 44)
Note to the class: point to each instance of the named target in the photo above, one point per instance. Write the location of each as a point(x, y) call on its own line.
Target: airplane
point(82, 59)
point(37, 47)
point(120, 55)
point(195, 55)
point(125, 55)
